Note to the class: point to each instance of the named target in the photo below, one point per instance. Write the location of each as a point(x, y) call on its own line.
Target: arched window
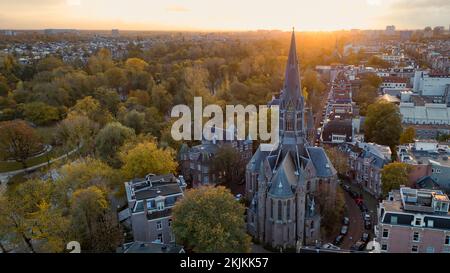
point(289, 122)
point(308, 185)
point(280, 210)
point(288, 210)
point(271, 208)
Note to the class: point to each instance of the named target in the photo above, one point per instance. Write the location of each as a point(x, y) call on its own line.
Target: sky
point(223, 14)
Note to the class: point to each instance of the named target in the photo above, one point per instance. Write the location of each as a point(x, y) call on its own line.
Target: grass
point(13, 166)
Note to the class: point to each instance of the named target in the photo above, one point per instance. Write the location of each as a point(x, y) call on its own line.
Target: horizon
point(223, 16)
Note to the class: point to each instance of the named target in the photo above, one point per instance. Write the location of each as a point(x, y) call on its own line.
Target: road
point(356, 227)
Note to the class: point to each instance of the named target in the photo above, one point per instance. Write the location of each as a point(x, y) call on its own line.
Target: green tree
point(228, 166)
point(209, 219)
point(109, 139)
point(393, 176)
point(40, 113)
point(135, 120)
point(383, 124)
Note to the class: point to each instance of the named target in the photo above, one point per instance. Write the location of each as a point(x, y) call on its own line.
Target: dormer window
point(160, 205)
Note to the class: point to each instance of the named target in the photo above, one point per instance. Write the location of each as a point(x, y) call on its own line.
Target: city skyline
point(200, 15)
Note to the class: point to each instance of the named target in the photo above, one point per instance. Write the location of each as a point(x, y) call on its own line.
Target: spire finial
point(293, 29)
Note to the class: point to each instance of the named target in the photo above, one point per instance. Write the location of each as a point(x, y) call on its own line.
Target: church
point(285, 186)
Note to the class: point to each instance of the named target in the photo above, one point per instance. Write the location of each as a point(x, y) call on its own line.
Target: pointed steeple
point(292, 86)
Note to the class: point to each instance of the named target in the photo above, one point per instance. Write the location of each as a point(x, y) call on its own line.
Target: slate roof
point(323, 165)
point(283, 179)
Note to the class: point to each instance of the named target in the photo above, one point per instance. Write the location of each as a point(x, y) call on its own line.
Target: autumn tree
point(145, 157)
point(109, 139)
point(339, 160)
point(393, 176)
point(408, 135)
point(94, 224)
point(209, 219)
point(30, 221)
point(18, 141)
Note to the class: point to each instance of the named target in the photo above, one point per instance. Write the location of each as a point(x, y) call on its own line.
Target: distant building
point(115, 33)
point(392, 82)
point(338, 131)
point(414, 221)
point(390, 31)
point(430, 84)
point(150, 201)
point(429, 113)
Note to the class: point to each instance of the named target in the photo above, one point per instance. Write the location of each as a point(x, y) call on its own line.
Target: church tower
point(292, 105)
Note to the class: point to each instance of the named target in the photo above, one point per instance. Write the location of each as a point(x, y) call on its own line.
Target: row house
point(414, 221)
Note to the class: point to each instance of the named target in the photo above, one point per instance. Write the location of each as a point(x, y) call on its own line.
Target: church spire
point(292, 86)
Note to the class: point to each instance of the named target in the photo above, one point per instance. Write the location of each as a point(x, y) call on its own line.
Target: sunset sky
point(223, 14)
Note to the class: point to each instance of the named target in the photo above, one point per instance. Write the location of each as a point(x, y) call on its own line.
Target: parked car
point(363, 207)
point(338, 239)
point(344, 230)
point(367, 217)
point(368, 225)
point(365, 237)
point(330, 246)
point(346, 188)
point(346, 221)
point(353, 194)
point(358, 246)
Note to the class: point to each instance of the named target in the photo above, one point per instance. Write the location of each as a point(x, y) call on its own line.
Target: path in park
point(6, 176)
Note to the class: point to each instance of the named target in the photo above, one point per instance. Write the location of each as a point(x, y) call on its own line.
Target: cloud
point(177, 9)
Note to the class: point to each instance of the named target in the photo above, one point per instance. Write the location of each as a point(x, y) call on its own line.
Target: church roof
point(323, 165)
point(283, 179)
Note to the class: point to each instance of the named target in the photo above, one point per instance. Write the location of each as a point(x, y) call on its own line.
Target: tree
point(393, 176)
point(144, 158)
point(383, 124)
point(365, 96)
point(92, 109)
point(209, 219)
point(339, 160)
point(135, 120)
point(408, 135)
point(29, 221)
point(18, 141)
point(77, 132)
point(40, 113)
point(93, 222)
point(161, 99)
point(228, 165)
point(109, 139)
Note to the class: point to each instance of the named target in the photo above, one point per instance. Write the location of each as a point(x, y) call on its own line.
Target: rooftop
point(153, 186)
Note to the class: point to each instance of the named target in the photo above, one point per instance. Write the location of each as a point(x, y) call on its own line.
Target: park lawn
point(13, 166)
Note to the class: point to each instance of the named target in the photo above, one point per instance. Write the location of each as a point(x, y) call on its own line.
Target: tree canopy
point(210, 220)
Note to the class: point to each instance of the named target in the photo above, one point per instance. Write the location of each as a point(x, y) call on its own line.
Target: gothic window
point(299, 121)
point(289, 122)
point(288, 210)
point(280, 210)
point(308, 185)
point(271, 208)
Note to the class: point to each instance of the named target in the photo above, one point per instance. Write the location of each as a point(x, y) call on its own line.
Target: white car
point(330, 246)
